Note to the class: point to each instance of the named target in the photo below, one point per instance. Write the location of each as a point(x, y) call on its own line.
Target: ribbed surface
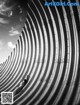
point(47, 50)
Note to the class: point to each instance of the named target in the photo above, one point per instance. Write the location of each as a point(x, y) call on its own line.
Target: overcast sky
point(12, 18)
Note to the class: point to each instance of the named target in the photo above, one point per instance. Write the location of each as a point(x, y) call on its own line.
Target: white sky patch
point(10, 14)
point(1, 44)
point(4, 53)
point(13, 32)
point(11, 45)
point(3, 21)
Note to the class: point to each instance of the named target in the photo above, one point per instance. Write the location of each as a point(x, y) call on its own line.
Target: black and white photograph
point(39, 52)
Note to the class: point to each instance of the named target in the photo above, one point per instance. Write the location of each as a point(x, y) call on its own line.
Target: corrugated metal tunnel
point(48, 51)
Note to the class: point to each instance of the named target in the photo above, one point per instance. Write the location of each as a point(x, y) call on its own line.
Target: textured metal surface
point(47, 50)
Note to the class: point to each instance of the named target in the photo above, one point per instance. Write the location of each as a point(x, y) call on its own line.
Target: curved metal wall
point(48, 51)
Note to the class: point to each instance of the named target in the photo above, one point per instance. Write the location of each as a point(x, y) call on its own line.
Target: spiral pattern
point(48, 51)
